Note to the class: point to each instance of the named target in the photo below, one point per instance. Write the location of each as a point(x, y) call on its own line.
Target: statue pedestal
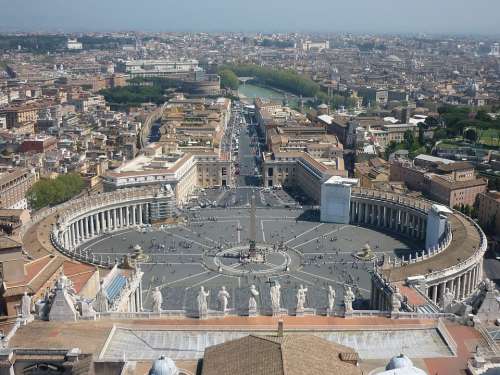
point(280, 312)
point(252, 312)
point(27, 319)
point(330, 312)
point(306, 311)
point(348, 314)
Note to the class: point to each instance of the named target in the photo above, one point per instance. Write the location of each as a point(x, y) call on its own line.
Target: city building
point(158, 68)
point(298, 169)
point(14, 186)
point(183, 172)
point(454, 184)
point(74, 44)
point(488, 211)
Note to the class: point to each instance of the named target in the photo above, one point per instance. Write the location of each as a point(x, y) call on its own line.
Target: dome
point(400, 361)
point(163, 366)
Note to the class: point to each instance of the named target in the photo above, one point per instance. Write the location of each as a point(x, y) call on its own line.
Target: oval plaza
point(444, 255)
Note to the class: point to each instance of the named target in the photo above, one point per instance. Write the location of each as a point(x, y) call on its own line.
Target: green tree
point(409, 139)
point(283, 79)
point(421, 131)
point(228, 79)
point(47, 192)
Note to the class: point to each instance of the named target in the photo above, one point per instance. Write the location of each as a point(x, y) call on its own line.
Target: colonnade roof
point(466, 239)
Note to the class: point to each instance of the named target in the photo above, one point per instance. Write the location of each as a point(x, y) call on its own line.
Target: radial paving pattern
point(182, 258)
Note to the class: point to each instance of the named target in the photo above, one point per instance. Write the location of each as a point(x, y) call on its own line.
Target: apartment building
point(488, 212)
point(13, 188)
point(453, 184)
point(299, 169)
point(182, 171)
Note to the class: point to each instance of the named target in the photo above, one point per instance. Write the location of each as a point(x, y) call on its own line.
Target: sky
point(372, 16)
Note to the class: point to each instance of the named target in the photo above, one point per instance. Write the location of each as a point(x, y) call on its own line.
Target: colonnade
point(378, 213)
point(461, 285)
point(95, 223)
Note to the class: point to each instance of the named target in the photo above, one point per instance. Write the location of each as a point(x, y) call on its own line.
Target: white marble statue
point(331, 297)
point(252, 302)
point(301, 298)
point(396, 300)
point(349, 298)
point(26, 306)
point(157, 300)
point(101, 303)
point(223, 297)
point(202, 302)
point(87, 310)
point(447, 299)
point(276, 297)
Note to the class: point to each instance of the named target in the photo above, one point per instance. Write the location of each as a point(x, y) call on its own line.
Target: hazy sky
point(380, 16)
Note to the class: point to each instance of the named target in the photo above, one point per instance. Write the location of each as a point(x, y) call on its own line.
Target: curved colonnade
point(454, 263)
point(91, 217)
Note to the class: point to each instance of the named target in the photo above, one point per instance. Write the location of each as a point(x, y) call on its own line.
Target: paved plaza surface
point(181, 258)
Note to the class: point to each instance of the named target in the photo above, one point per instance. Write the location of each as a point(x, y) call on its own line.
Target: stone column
point(97, 223)
point(82, 230)
point(127, 216)
point(78, 235)
point(384, 214)
point(458, 294)
point(134, 208)
point(121, 218)
point(466, 284)
point(73, 234)
point(108, 219)
point(91, 222)
point(434, 293)
point(367, 213)
point(140, 215)
point(472, 279)
point(103, 221)
point(114, 219)
point(87, 227)
point(443, 288)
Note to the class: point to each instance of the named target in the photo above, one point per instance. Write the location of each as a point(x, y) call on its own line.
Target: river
point(253, 91)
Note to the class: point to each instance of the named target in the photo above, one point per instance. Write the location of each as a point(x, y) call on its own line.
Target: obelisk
point(252, 251)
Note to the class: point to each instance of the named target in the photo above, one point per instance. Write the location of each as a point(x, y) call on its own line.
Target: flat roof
point(338, 180)
point(434, 159)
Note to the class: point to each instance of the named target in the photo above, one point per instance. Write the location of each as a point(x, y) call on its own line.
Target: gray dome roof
point(164, 366)
point(400, 361)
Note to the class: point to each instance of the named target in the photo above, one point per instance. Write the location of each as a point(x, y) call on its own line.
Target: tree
point(228, 79)
point(47, 192)
point(283, 79)
point(421, 131)
point(431, 121)
point(409, 139)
